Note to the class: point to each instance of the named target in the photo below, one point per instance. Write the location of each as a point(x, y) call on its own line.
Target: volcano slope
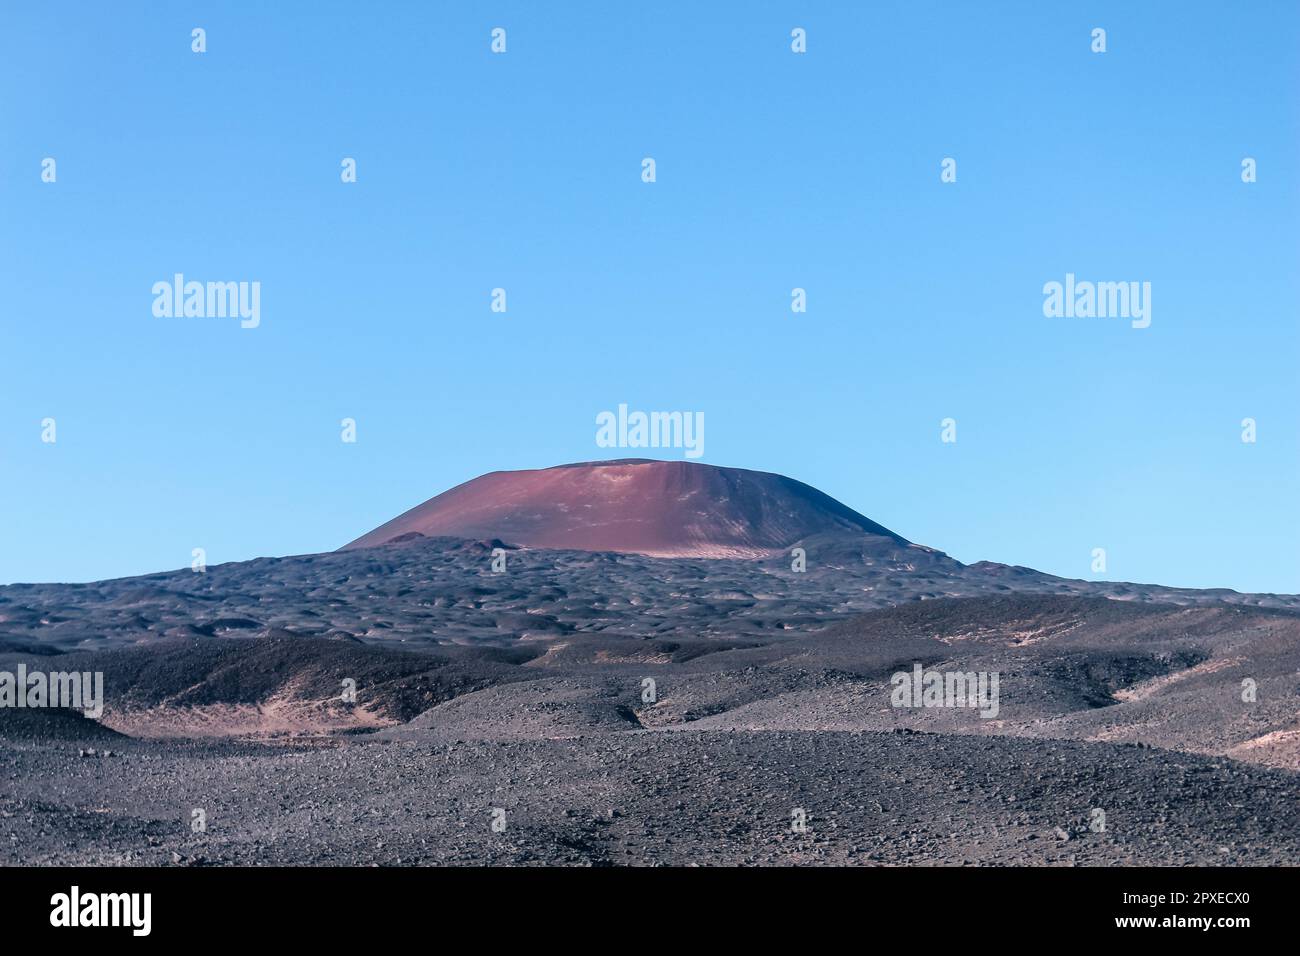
point(1131, 709)
point(675, 509)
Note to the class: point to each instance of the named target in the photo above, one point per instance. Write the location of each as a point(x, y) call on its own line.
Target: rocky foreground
point(646, 798)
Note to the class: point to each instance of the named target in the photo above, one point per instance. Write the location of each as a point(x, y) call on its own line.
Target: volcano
point(639, 506)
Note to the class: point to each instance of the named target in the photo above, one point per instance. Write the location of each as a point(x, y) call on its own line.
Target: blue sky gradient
point(775, 170)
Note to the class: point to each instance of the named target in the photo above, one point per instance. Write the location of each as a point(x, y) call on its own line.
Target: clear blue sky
point(775, 170)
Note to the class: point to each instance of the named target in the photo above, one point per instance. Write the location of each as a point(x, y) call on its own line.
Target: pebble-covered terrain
point(646, 798)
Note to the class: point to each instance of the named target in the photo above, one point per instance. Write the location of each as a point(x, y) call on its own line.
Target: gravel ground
point(673, 797)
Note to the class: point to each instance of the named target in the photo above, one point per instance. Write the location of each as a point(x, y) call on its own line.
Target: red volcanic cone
point(660, 508)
